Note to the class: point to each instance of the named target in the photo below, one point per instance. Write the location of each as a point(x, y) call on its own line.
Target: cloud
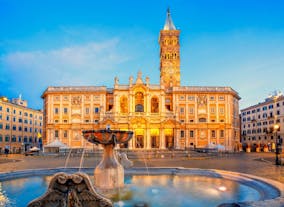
point(53, 66)
point(92, 63)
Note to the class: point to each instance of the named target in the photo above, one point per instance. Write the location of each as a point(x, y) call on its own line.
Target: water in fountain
point(68, 157)
point(82, 157)
point(143, 157)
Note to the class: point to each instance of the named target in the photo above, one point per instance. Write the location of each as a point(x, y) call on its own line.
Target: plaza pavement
point(259, 164)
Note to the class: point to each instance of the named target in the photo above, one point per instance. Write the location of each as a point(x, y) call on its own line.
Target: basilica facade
point(162, 116)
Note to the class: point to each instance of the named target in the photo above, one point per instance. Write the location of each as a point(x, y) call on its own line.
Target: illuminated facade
point(258, 121)
point(20, 127)
point(162, 116)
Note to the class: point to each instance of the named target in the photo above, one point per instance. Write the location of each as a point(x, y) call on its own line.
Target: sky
point(236, 43)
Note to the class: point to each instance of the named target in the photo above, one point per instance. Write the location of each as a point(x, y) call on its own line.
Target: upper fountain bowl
point(107, 136)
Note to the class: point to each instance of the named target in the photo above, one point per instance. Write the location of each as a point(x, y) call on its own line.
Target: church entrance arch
point(169, 138)
point(139, 138)
point(155, 138)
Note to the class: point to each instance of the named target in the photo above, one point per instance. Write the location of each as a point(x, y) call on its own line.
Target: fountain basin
point(167, 183)
point(107, 136)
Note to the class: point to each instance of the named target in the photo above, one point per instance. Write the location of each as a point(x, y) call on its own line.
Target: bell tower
point(169, 54)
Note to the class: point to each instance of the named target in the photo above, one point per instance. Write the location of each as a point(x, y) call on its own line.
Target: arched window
point(139, 102)
point(202, 119)
point(123, 105)
point(154, 105)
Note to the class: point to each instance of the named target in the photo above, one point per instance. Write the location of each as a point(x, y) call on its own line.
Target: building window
point(270, 106)
point(221, 110)
point(14, 128)
point(221, 98)
point(182, 133)
point(264, 108)
point(139, 102)
point(20, 128)
point(7, 118)
point(87, 110)
point(0, 108)
point(96, 110)
point(7, 126)
point(25, 114)
point(181, 110)
point(8, 110)
point(202, 119)
point(65, 121)
point(222, 133)
point(191, 133)
point(14, 139)
point(1, 125)
point(20, 120)
point(213, 133)
point(212, 98)
point(1, 138)
point(191, 110)
point(65, 133)
point(56, 133)
point(31, 115)
point(212, 110)
point(7, 138)
point(191, 98)
point(65, 110)
point(56, 110)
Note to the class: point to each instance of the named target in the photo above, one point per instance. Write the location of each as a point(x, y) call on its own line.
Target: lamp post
point(276, 128)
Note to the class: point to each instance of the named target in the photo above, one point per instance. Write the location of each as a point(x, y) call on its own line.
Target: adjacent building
point(162, 116)
point(258, 123)
point(20, 126)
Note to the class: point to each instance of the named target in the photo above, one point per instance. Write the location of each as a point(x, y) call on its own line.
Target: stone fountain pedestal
point(109, 174)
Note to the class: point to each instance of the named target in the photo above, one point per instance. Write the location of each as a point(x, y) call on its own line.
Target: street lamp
point(276, 128)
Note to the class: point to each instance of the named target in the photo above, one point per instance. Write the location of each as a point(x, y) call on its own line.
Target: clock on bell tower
point(169, 54)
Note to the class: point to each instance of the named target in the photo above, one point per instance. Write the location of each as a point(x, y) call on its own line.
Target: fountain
point(109, 174)
point(146, 186)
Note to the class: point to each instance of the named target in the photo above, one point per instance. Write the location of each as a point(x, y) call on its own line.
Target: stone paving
point(257, 164)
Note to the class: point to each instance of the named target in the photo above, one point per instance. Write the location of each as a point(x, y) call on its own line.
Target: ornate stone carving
point(73, 190)
point(202, 100)
point(76, 100)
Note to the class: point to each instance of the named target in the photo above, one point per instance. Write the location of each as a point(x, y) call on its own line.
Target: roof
point(169, 24)
point(56, 143)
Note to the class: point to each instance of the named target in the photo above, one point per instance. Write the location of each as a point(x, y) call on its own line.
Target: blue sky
point(237, 43)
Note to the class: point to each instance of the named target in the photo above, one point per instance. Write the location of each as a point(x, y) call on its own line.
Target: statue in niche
point(123, 105)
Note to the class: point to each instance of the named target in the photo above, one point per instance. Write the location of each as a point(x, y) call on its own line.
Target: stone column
point(162, 139)
point(177, 138)
point(148, 138)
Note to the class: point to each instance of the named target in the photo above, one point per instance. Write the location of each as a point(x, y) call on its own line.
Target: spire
point(169, 25)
